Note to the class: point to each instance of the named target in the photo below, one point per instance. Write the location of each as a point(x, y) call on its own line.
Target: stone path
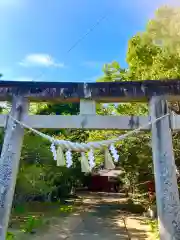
point(100, 219)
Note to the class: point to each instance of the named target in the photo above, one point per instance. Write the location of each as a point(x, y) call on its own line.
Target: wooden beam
point(100, 92)
point(167, 195)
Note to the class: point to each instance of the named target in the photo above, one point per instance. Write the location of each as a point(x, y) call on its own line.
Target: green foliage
point(154, 228)
point(31, 224)
point(36, 150)
point(19, 209)
point(66, 209)
point(39, 177)
point(152, 54)
point(10, 236)
point(31, 181)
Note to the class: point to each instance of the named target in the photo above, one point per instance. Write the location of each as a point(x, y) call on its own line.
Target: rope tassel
point(69, 158)
point(53, 150)
point(60, 157)
point(84, 163)
point(114, 153)
point(91, 159)
point(108, 164)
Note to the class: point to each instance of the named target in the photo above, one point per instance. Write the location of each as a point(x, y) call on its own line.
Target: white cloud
point(23, 79)
point(40, 60)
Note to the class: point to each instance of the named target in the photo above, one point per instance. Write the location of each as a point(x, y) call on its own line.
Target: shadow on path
point(103, 218)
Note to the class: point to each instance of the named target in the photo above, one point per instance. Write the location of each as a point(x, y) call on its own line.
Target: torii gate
point(157, 93)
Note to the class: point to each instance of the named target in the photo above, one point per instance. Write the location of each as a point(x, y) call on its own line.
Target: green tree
point(152, 54)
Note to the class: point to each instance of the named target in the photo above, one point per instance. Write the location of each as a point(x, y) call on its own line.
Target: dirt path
point(100, 219)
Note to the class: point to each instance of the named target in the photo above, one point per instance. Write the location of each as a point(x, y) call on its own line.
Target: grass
point(34, 217)
point(154, 227)
point(10, 236)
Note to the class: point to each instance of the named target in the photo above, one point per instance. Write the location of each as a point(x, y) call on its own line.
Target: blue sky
point(36, 35)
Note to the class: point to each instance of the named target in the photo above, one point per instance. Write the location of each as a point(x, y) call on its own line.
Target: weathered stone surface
point(101, 91)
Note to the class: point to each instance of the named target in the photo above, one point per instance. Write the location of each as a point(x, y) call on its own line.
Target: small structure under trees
point(105, 180)
point(156, 93)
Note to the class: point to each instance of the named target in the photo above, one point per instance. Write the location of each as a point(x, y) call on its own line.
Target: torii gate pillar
point(167, 196)
point(9, 161)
